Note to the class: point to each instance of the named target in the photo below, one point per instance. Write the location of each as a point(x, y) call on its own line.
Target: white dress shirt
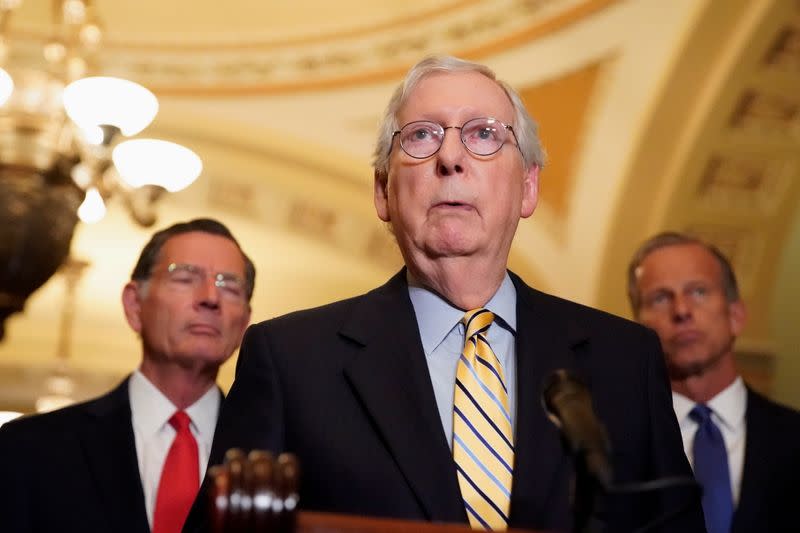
point(728, 410)
point(150, 414)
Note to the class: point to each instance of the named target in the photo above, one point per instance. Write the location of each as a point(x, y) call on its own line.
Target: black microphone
point(568, 404)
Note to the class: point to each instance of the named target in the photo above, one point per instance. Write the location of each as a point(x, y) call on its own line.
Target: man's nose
point(208, 293)
point(450, 157)
point(681, 308)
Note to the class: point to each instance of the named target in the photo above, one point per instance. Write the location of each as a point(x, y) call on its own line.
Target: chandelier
point(65, 149)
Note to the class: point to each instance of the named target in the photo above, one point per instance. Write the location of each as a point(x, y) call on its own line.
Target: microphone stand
point(588, 496)
point(567, 404)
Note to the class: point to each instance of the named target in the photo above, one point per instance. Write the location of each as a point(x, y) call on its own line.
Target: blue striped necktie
point(483, 443)
point(711, 471)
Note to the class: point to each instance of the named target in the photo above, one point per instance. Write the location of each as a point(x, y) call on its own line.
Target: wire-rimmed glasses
point(482, 136)
point(188, 277)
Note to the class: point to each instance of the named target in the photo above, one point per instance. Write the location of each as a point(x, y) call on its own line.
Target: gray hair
point(525, 128)
point(673, 238)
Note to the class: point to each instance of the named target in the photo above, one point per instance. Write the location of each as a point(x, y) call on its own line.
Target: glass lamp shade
point(6, 86)
point(100, 100)
point(154, 162)
point(8, 416)
point(93, 209)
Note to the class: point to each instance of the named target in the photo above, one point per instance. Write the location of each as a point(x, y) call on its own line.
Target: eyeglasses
point(186, 277)
point(481, 136)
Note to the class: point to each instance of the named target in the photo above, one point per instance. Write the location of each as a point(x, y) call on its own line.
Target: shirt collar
point(729, 406)
point(436, 317)
point(151, 409)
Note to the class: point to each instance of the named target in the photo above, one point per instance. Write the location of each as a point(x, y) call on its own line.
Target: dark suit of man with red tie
point(131, 460)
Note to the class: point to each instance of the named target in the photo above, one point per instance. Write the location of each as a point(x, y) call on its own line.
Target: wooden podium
point(310, 522)
point(260, 477)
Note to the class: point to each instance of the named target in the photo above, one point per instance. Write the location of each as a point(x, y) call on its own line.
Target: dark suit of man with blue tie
point(745, 449)
point(422, 399)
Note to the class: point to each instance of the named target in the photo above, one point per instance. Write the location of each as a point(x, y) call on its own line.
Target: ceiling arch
point(706, 163)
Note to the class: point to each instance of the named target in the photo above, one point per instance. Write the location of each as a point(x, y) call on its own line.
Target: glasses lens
point(484, 136)
point(421, 139)
point(186, 277)
point(230, 285)
point(181, 275)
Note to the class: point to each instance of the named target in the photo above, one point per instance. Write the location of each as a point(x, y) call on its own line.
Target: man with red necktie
point(132, 460)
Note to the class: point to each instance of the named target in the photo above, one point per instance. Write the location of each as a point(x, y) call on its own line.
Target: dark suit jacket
point(770, 493)
point(347, 389)
point(74, 469)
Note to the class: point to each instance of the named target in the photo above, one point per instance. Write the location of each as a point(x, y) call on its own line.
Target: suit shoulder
point(42, 421)
point(52, 422)
point(589, 319)
point(787, 417)
point(328, 317)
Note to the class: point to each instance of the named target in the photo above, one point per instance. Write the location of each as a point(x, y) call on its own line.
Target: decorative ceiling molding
point(308, 216)
point(731, 172)
point(744, 247)
point(750, 186)
point(754, 176)
point(366, 55)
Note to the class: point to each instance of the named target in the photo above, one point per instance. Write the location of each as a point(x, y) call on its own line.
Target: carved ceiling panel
point(310, 59)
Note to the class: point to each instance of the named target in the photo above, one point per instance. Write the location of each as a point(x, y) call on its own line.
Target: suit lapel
point(110, 450)
point(544, 344)
point(391, 378)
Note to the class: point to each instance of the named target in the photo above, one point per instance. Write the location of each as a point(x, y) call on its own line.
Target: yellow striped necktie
point(483, 443)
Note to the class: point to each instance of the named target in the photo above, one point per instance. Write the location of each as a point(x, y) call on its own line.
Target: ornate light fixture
point(62, 153)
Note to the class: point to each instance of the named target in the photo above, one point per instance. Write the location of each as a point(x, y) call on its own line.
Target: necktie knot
point(180, 421)
point(477, 321)
point(701, 413)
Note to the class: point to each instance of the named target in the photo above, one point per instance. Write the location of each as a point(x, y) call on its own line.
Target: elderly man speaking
point(422, 398)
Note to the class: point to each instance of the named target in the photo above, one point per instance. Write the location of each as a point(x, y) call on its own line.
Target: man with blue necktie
point(744, 448)
point(422, 399)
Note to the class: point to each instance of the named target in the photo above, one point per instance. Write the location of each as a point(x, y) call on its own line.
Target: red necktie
point(180, 478)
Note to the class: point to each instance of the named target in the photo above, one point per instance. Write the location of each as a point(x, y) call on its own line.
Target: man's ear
point(530, 191)
point(132, 305)
point(381, 192)
point(737, 314)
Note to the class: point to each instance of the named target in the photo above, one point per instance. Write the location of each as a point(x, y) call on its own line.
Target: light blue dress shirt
point(442, 336)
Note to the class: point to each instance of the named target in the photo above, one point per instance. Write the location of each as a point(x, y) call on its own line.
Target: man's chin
point(685, 371)
point(200, 358)
point(451, 245)
point(688, 367)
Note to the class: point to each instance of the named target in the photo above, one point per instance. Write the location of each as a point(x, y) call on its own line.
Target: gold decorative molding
point(308, 216)
point(753, 185)
point(379, 53)
point(785, 53)
point(775, 114)
point(743, 246)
